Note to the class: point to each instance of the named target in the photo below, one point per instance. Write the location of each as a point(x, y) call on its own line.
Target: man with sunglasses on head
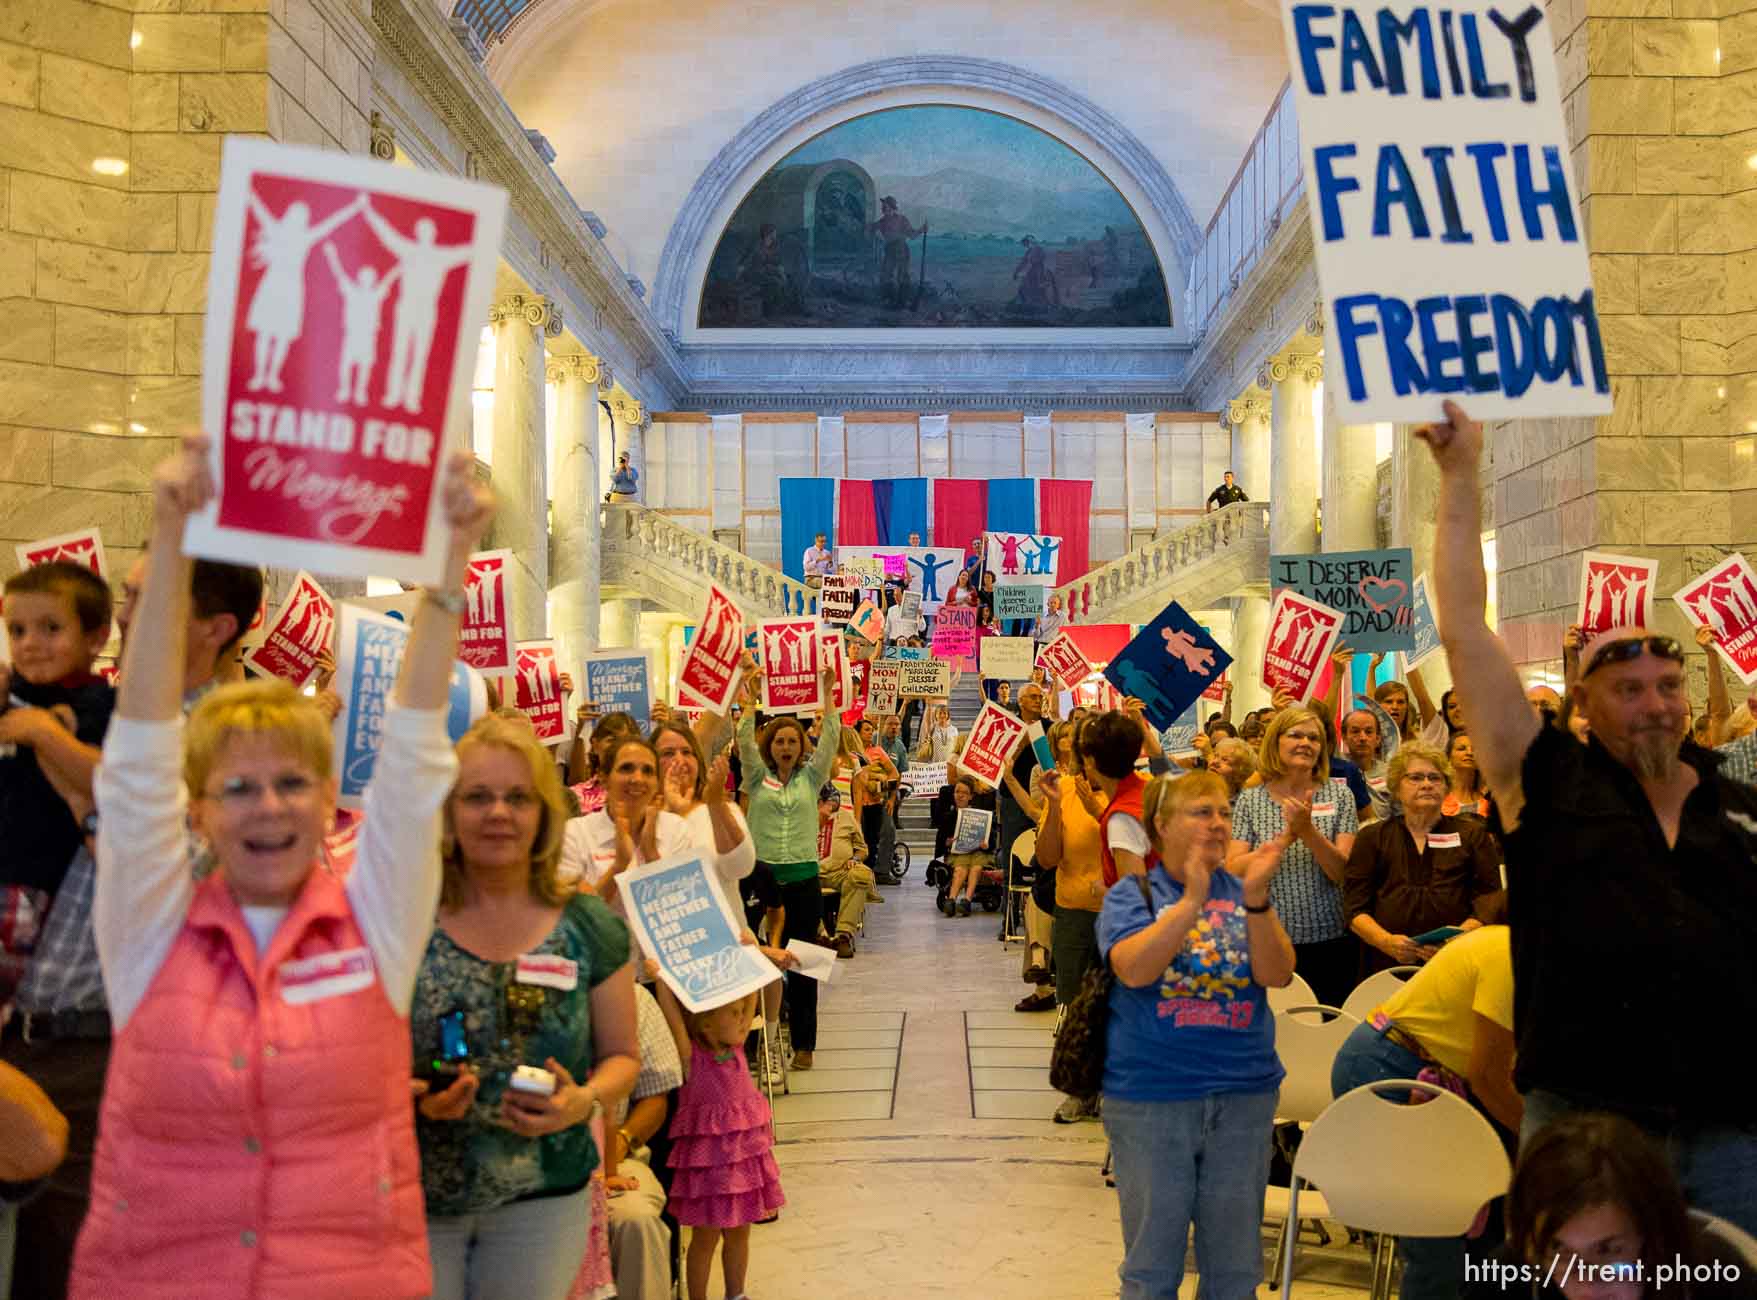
point(1631, 871)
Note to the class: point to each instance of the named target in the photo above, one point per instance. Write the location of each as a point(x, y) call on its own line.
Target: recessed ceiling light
point(110, 166)
point(135, 39)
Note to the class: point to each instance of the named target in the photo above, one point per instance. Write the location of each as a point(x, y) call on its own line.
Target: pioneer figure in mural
point(1038, 288)
point(762, 270)
point(896, 287)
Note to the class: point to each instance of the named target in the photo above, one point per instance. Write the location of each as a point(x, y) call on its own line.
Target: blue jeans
point(1716, 1164)
point(1206, 1161)
point(523, 1250)
point(1433, 1267)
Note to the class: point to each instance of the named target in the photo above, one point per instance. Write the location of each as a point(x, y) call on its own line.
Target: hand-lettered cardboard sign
point(302, 630)
point(990, 744)
point(1371, 588)
point(954, 633)
point(710, 667)
point(620, 681)
point(344, 299)
point(883, 687)
point(1725, 599)
point(1615, 591)
point(368, 656)
point(86, 547)
point(1449, 244)
point(838, 597)
point(1020, 600)
point(537, 688)
point(485, 636)
point(928, 679)
point(1063, 658)
point(792, 662)
point(970, 830)
point(1019, 558)
point(1007, 658)
point(859, 564)
point(1168, 665)
point(912, 606)
point(1302, 633)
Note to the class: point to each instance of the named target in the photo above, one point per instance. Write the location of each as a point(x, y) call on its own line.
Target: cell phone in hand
point(454, 1045)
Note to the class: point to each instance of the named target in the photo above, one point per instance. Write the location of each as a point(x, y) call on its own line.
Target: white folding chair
point(1296, 994)
point(1307, 1038)
point(1376, 988)
point(1398, 1170)
point(1013, 914)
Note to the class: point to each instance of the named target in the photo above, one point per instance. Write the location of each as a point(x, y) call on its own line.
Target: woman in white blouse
point(940, 742)
point(633, 826)
point(696, 791)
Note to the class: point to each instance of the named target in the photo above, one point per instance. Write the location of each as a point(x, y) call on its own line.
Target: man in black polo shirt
point(1227, 493)
point(1631, 873)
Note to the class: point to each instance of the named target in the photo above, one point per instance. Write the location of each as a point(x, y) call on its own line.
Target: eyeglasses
point(242, 792)
point(517, 801)
point(1621, 652)
point(1425, 778)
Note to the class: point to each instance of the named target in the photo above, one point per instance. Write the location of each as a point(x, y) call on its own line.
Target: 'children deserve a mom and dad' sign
point(1449, 243)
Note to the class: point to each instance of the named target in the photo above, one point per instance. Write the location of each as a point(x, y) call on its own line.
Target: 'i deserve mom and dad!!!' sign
point(1449, 243)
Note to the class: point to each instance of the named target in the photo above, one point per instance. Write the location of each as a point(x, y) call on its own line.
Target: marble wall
point(112, 116)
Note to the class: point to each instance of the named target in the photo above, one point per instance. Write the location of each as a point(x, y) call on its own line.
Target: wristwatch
point(452, 602)
point(1259, 910)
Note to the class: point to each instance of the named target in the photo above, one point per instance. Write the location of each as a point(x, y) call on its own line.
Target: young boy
point(57, 619)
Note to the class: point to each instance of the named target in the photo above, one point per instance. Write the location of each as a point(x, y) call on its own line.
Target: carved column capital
point(538, 312)
point(606, 380)
point(1291, 365)
point(1315, 320)
point(384, 138)
point(628, 411)
point(1244, 409)
point(580, 366)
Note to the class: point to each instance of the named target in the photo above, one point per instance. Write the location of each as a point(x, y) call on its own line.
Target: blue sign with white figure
point(1424, 632)
point(1449, 244)
point(681, 920)
point(368, 656)
point(1168, 665)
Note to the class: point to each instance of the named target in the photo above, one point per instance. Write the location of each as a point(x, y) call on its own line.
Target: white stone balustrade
point(647, 555)
point(1219, 555)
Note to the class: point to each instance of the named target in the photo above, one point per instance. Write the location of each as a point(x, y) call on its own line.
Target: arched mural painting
point(935, 216)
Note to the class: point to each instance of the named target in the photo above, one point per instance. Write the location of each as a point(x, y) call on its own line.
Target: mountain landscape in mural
point(932, 216)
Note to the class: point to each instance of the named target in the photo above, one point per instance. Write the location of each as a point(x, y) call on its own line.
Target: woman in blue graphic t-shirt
point(1190, 1071)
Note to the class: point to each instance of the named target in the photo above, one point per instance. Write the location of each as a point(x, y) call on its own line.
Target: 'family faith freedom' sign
point(1449, 243)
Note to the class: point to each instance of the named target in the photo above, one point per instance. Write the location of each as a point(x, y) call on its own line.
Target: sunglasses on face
point(1621, 652)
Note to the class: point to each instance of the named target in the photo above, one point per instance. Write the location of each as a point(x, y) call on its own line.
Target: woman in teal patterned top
point(783, 826)
point(531, 974)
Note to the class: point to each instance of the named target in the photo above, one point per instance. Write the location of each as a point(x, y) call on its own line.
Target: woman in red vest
point(256, 1137)
point(1109, 745)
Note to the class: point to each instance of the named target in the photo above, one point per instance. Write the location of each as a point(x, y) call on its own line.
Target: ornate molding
point(579, 366)
point(1315, 320)
point(416, 41)
point(606, 380)
point(813, 101)
point(1244, 409)
point(629, 412)
point(538, 312)
point(913, 400)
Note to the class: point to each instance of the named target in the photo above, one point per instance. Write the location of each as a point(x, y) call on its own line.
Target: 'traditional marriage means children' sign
point(343, 298)
point(1449, 243)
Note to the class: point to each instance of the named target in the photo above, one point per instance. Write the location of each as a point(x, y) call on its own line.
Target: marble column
point(522, 522)
point(1250, 628)
point(619, 624)
point(574, 593)
point(606, 426)
point(1249, 417)
point(1293, 469)
point(1351, 483)
point(1415, 496)
point(633, 422)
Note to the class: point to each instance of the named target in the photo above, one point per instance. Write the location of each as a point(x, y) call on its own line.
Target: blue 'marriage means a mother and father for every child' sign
point(681, 920)
point(1449, 244)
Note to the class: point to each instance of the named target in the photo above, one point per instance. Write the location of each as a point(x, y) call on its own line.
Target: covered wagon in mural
point(933, 216)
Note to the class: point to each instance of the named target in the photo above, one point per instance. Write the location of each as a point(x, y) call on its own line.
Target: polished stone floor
point(918, 1157)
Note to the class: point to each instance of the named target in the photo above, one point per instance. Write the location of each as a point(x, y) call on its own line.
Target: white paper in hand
point(815, 961)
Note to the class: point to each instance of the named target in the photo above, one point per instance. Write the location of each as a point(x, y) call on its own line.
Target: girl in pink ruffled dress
point(723, 1176)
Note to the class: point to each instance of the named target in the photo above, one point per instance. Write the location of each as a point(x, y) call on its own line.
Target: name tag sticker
point(312, 979)
point(550, 971)
point(770, 783)
point(1447, 841)
point(1376, 782)
point(1324, 809)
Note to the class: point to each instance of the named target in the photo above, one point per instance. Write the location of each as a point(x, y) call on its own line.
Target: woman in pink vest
point(257, 1137)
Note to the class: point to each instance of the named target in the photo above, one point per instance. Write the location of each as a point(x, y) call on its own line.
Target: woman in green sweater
point(784, 826)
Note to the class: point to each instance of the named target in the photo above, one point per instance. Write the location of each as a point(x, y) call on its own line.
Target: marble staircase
point(1222, 554)
point(647, 556)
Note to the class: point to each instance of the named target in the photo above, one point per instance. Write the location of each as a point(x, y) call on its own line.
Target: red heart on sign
point(1396, 588)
